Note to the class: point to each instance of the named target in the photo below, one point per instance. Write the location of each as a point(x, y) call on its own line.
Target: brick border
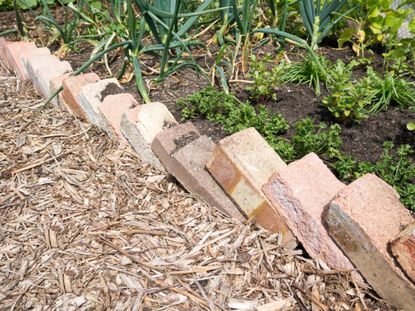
point(340, 215)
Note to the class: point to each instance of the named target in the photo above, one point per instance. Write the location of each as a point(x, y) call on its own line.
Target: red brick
point(241, 164)
point(403, 248)
point(113, 107)
point(171, 139)
point(71, 88)
point(16, 54)
point(188, 166)
point(300, 193)
point(362, 219)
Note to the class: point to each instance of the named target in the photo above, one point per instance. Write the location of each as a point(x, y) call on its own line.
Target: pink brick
point(362, 219)
point(16, 54)
point(300, 192)
point(113, 107)
point(47, 73)
point(71, 88)
point(241, 164)
point(172, 139)
point(35, 62)
point(55, 84)
point(403, 249)
point(188, 166)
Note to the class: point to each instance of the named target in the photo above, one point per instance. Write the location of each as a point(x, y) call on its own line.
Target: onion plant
point(318, 18)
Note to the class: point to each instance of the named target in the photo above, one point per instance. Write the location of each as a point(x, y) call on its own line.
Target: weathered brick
point(113, 107)
point(362, 219)
point(54, 85)
point(71, 89)
point(300, 192)
point(188, 166)
point(92, 95)
point(241, 164)
point(47, 73)
point(141, 125)
point(403, 249)
point(172, 139)
point(35, 62)
point(16, 53)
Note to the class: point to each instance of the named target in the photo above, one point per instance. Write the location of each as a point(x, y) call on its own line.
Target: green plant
point(396, 168)
point(226, 110)
point(387, 90)
point(318, 19)
point(346, 101)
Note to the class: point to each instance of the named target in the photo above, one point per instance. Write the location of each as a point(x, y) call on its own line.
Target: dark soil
point(111, 89)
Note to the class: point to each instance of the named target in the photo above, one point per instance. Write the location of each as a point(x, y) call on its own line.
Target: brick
point(47, 73)
point(188, 166)
point(35, 62)
point(141, 125)
point(113, 107)
point(16, 54)
point(403, 249)
point(300, 193)
point(172, 139)
point(362, 219)
point(54, 85)
point(92, 95)
point(241, 164)
point(71, 89)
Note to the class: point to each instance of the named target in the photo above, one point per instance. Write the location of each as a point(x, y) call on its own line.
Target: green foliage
point(346, 101)
point(318, 19)
point(389, 89)
point(396, 168)
point(268, 76)
point(225, 109)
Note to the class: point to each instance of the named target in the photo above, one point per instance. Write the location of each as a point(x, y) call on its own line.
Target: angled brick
point(300, 193)
point(141, 125)
point(188, 166)
point(112, 108)
point(403, 249)
point(241, 164)
point(71, 89)
point(362, 219)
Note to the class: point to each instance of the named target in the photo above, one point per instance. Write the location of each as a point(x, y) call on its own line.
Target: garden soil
point(85, 225)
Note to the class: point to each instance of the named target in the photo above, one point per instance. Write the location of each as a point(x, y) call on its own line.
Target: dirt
point(111, 89)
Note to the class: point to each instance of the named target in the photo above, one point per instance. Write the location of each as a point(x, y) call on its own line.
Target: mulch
point(85, 225)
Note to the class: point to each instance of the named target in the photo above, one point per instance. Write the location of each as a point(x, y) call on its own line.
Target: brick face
point(188, 166)
point(71, 88)
point(113, 107)
point(170, 140)
point(403, 249)
point(241, 164)
point(300, 193)
point(362, 218)
point(16, 53)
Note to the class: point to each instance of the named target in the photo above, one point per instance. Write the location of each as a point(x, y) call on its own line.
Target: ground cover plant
point(261, 57)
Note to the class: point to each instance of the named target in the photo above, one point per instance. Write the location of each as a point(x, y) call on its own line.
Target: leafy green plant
point(345, 101)
point(226, 110)
point(396, 168)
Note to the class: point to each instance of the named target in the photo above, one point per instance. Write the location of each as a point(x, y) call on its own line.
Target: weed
point(346, 101)
point(396, 168)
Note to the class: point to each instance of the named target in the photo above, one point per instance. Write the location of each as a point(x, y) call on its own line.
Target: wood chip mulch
point(85, 225)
